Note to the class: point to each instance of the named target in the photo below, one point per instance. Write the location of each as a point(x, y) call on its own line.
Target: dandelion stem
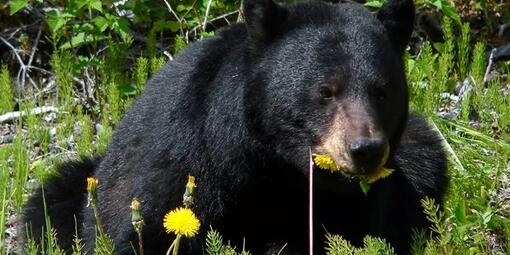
point(169, 251)
point(140, 243)
point(99, 224)
point(176, 248)
point(138, 222)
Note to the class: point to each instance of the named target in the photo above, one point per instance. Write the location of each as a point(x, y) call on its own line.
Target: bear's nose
point(367, 153)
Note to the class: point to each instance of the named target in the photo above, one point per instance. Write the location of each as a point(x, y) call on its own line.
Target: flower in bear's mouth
point(326, 162)
point(379, 174)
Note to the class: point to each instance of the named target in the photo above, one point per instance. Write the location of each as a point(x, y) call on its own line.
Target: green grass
point(336, 245)
point(478, 153)
point(4, 193)
point(216, 246)
point(7, 95)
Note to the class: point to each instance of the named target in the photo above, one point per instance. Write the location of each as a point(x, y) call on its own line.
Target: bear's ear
point(398, 18)
point(263, 19)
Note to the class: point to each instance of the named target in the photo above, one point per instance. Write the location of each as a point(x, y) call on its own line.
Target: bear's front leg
point(396, 212)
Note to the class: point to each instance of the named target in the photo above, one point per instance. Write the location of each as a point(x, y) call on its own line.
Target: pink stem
point(310, 203)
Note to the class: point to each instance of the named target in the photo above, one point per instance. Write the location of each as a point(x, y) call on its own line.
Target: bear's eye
point(378, 92)
point(325, 92)
point(381, 94)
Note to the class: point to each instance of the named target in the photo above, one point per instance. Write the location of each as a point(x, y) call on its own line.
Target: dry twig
point(172, 11)
point(204, 24)
point(15, 115)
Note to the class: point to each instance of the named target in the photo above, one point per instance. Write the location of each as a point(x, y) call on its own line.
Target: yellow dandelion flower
point(381, 171)
point(325, 162)
point(379, 174)
point(181, 221)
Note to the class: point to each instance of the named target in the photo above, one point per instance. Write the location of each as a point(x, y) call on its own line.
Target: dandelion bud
point(188, 193)
point(91, 184)
point(137, 221)
point(191, 183)
point(92, 190)
point(136, 215)
point(136, 205)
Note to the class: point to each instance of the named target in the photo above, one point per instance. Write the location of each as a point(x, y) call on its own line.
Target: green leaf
point(447, 9)
point(183, 8)
point(75, 41)
point(81, 38)
point(439, 46)
point(101, 23)
point(365, 186)
point(450, 12)
point(411, 63)
point(55, 20)
point(122, 27)
point(68, 14)
point(96, 4)
point(17, 5)
point(460, 212)
point(127, 89)
point(87, 27)
point(166, 25)
point(206, 34)
point(123, 24)
point(374, 4)
point(81, 3)
point(487, 216)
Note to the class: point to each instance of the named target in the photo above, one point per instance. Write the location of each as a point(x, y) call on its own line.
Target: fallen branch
point(15, 115)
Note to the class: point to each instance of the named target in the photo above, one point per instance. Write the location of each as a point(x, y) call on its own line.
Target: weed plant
point(7, 95)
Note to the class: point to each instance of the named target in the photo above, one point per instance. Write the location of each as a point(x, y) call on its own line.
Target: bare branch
point(24, 73)
point(34, 48)
point(21, 63)
point(489, 66)
point(172, 11)
point(223, 16)
point(15, 115)
point(204, 24)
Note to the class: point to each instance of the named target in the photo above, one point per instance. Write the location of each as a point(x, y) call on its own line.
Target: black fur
point(65, 197)
point(398, 18)
point(240, 111)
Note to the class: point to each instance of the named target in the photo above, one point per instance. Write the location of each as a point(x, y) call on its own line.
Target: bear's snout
point(355, 141)
point(368, 154)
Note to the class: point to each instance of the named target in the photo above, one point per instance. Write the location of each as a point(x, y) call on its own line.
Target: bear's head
point(328, 77)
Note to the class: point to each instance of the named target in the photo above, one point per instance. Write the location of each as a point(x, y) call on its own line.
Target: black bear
point(241, 111)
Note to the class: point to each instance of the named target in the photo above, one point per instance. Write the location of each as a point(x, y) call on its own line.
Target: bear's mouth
point(344, 164)
point(349, 180)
